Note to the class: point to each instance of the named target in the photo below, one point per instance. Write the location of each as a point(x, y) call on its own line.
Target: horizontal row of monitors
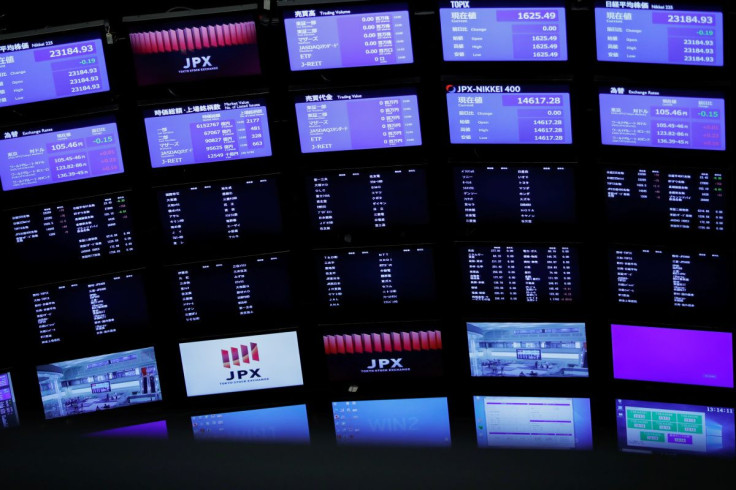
point(208, 44)
point(550, 423)
point(221, 131)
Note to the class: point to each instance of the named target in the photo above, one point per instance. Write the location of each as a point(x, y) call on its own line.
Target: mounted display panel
point(194, 45)
point(55, 63)
point(672, 33)
point(503, 30)
point(348, 35)
point(8, 407)
point(275, 425)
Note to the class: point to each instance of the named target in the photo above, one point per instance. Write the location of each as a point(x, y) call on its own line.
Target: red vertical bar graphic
point(166, 41)
point(358, 342)
point(349, 344)
point(160, 42)
point(236, 359)
point(396, 341)
point(406, 341)
point(251, 32)
point(333, 344)
point(439, 339)
point(174, 40)
point(205, 37)
point(228, 36)
point(254, 351)
point(220, 36)
point(340, 344)
point(147, 42)
point(197, 38)
point(415, 341)
point(367, 344)
point(189, 38)
point(432, 339)
point(240, 30)
point(225, 359)
point(181, 41)
point(386, 342)
point(376, 342)
point(326, 342)
point(424, 338)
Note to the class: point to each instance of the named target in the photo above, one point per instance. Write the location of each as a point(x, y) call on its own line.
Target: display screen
point(662, 118)
point(207, 133)
point(194, 49)
point(229, 292)
point(66, 386)
point(670, 355)
point(533, 422)
point(675, 428)
point(270, 425)
point(151, 430)
point(51, 67)
point(386, 278)
point(510, 195)
point(369, 199)
point(684, 280)
point(498, 30)
point(358, 120)
point(59, 152)
point(521, 274)
point(8, 410)
point(238, 364)
point(403, 422)
point(76, 312)
point(509, 114)
point(210, 215)
point(100, 387)
point(669, 33)
point(508, 349)
point(378, 353)
point(660, 199)
point(346, 36)
point(73, 231)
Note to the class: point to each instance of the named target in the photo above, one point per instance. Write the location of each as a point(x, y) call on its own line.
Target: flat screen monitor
point(215, 131)
point(82, 311)
point(276, 425)
point(379, 353)
point(672, 355)
point(533, 422)
point(527, 114)
point(503, 30)
point(400, 422)
point(675, 280)
point(239, 364)
point(66, 386)
point(151, 430)
point(72, 232)
point(347, 36)
point(520, 274)
point(194, 45)
point(220, 214)
point(358, 120)
point(526, 196)
point(38, 66)
point(675, 428)
point(659, 118)
point(667, 199)
point(528, 349)
point(391, 199)
point(59, 151)
point(376, 279)
point(672, 33)
point(8, 409)
point(103, 387)
point(227, 293)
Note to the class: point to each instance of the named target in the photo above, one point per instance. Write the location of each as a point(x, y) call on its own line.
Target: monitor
point(503, 30)
point(675, 428)
point(73, 232)
point(66, 386)
point(207, 132)
point(371, 199)
point(533, 422)
point(38, 66)
point(509, 114)
point(103, 387)
point(524, 195)
point(275, 425)
point(672, 33)
point(8, 408)
point(358, 120)
point(227, 293)
point(399, 422)
point(348, 35)
point(233, 213)
point(661, 279)
point(150, 430)
point(194, 45)
point(59, 151)
point(661, 199)
point(527, 349)
point(662, 118)
point(383, 352)
point(672, 355)
point(239, 364)
point(80, 312)
point(376, 279)
point(520, 274)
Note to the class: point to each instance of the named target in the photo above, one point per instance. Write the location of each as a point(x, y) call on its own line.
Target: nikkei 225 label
point(509, 114)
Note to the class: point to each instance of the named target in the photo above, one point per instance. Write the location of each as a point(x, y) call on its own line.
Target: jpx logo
point(384, 363)
point(197, 62)
point(460, 4)
point(244, 354)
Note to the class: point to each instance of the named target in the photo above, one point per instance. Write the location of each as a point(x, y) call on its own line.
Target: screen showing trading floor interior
point(514, 349)
point(8, 410)
point(267, 425)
